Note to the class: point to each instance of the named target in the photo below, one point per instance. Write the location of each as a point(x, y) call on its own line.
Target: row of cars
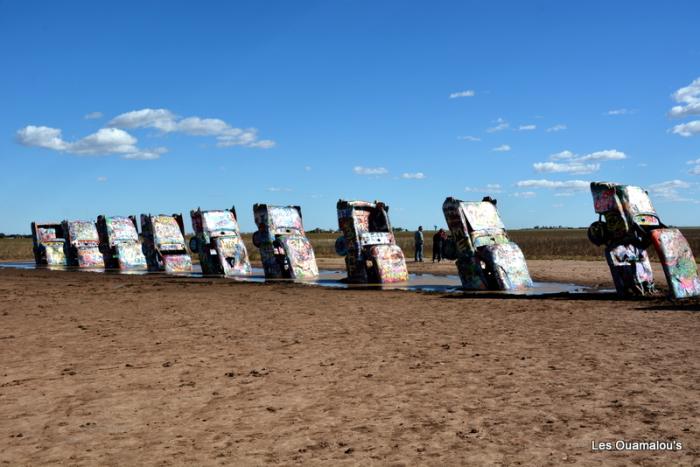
point(486, 257)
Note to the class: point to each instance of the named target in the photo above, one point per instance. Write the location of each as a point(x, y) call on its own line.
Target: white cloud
point(605, 155)
point(524, 194)
point(566, 154)
point(307, 168)
point(105, 141)
point(276, 189)
point(502, 148)
point(500, 125)
point(359, 170)
point(619, 112)
point(469, 138)
point(42, 137)
point(93, 116)
point(489, 188)
point(167, 122)
point(570, 185)
point(557, 127)
point(162, 119)
point(670, 190)
point(101, 179)
point(567, 167)
point(147, 154)
point(575, 164)
point(414, 176)
point(687, 129)
point(689, 98)
point(467, 93)
point(529, 127)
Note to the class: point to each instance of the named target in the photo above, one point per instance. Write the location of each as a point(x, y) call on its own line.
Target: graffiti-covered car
point(368, 243)
point(82, 244)
point(285, 251)
point(119, 243)
point(627, 225)
point(486, 257)
point(164, 243)
point(217, 240)
point(48, 243)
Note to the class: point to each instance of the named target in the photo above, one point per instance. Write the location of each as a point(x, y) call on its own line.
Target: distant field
point(536, 244)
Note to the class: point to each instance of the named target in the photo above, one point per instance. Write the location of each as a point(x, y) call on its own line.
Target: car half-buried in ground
point(285, 251)
point(486, 257)
point(49, 242)
point(82, 244)
point(119, 243)
point(368, 243)
point(627, 225)
point(164, 243)
point(217, 240)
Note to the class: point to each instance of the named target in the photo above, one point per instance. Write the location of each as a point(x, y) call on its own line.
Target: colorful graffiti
point(627, 224)
point(218, 243)
point(284, 249)
point(119, 243)
point(486, 257)
point(677, 261)
point(164, 243)
point(48, 244)
point(368, 244)
point(82, 244)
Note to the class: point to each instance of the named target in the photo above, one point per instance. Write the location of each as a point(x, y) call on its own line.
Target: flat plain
point(105, 369)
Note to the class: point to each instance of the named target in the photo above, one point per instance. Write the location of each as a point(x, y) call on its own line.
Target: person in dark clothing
point(438, 244)
point(418, 236)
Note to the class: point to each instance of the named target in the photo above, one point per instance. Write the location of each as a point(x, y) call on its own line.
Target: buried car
point(368, 243)
point(217, 240)
point(164, 243)
point(48, 244)
point(486, 257)
point(119, 243)
point(82, 244)
point(627, 225)
point(285, 251)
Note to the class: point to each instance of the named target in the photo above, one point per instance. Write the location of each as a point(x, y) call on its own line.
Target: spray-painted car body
point(164, 243)
point(368, 243)
point(119, 243)
point(82, 244)
point(486, 257)
point(630, 226)
point(49, 244)
point(284, 249)
point(217, 240)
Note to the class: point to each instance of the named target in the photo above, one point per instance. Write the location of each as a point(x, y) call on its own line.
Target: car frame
point(368, 243)
point(48, 244)
point(82, 245)
point(218, 242)
point(119, 243)
point(285, 251)
point(164, 243)
point(627, 225)
point(486, 256)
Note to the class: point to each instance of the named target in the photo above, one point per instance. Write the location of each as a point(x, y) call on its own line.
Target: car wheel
point(597, 233)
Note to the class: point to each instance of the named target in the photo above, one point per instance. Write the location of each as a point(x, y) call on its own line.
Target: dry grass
point(536, 244)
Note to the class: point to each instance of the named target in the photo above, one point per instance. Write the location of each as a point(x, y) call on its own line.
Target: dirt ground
point(100, 369)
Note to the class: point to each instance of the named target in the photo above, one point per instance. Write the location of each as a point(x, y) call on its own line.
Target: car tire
point(597, 233)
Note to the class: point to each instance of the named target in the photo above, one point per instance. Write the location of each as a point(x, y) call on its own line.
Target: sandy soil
point(108, 369)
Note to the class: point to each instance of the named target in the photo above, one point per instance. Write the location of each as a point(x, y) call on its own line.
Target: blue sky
point(137, 107)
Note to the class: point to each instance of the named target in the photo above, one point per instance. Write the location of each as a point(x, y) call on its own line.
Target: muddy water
point(336, 279)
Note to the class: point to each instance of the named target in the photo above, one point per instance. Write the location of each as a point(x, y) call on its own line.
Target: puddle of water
point(336, 279)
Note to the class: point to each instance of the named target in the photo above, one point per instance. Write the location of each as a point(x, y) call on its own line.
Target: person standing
point(438, 242)
point(419, 244)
